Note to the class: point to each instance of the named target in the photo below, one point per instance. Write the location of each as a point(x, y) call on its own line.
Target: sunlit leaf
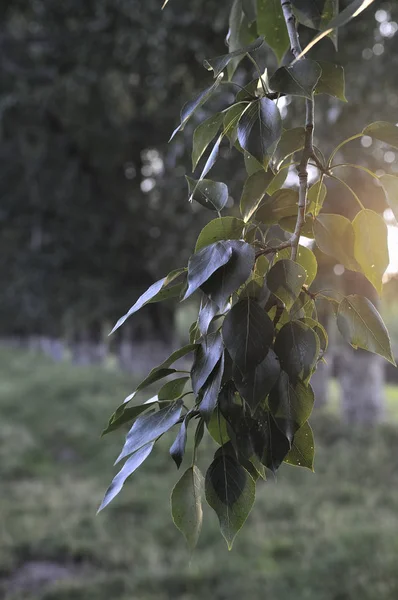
point(302, 451)
point(316, 197)
point(361, 325)
point(203, 135)
point(334, 235)
point(223, 228)
point(370, 246)
point(384, 132)
point(305, 258)
point(283, 203)
point(390, 187)
point(332, 81)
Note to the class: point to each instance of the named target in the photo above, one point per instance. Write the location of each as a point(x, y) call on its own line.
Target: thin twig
point(308, 150)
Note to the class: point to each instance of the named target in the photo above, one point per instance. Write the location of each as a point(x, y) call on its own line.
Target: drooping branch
point(308, 150)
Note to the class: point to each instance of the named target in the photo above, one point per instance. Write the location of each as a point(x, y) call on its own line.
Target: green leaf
point(332, 81)
point(250, 9)
point(351, 11)
point(231, 119)
point(282, 203)
point(253, 192)
point(298, 79)
point(252, 165)
point(204, 263)
point(217, 428)
point(256, 287)
point(302, 451)
point(285, 280)
point(257, 384)
point(232, 276)
point(172, 389)
point(247, 332)
point(278, 180)
point(390, 187)
point(319, 330)
point(186, 505)
point(203, 135)
point(156, 293)
point(124, 416)
point(239, 34)
point(207, 356)
point(291, 141)
point(223, 228)
point(211, 159)
point(149, 427)
point(218, 64)
point(290, 405)
point(334, 235)
point(230, 491)
point(316, 197)
point(189, 108)
point(362, 326)
point(210, 194)
point(129, 467)
point(384, 132)
point(370, 247)
point(259, 129)
point(305, 258)
point(278, 445)
point(211, 391)
point(298, 348)
point(271, 24)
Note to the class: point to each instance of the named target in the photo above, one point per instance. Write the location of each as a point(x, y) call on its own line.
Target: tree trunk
point(361, 378)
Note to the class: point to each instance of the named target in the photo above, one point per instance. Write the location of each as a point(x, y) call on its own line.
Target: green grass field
point(332, 535)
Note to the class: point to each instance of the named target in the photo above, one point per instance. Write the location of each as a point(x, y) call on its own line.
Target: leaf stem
point(350, 139)
point(360, 167)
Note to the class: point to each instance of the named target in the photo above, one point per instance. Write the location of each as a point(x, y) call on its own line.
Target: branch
point(308, 150)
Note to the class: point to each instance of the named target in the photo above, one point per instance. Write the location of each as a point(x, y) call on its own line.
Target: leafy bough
point(257, 339)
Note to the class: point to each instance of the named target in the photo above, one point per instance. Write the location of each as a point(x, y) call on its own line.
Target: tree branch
point(308, 150)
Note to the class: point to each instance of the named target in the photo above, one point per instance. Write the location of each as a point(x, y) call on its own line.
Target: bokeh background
point(93, 210)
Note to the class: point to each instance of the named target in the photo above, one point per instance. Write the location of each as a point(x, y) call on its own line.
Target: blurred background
point(93, 210)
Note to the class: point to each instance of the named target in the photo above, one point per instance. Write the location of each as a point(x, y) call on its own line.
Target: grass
point(332, 535)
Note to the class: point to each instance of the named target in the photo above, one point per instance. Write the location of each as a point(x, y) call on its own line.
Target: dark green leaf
point(305, 258)
point(334, 235)
point(231, 119)
point(291, 141)
point(362, 326)
point(223, 228)
point(390, 187)
point(384, 132)
point(332, 81)
point(319, 330)
point(211, 391)
point(172, 389)
point(240, 34)
point(203, 135)
point(290, 405)
point(230, 278)
point(302, 451)
point(370, 246)
point(253, 192)
point(210, 194)
point(260, 128)
point(207, 312)
point(247, 332)
point(186, 505)
point(230, 491)
point(217, 427)
point(299, 79)
point(315, 13)
point(250, 9)
point(277, 446)
point(297, 347)
point(256, 287)
point(156, 293)
point(257, 384)
point(177, 449)
point(189, 108)
point(218, 64)
point(204, 263)
point(149, 427)
point(207, 356)
point(283, 203)
point(278, 180)
point(285, 280)
point(129, 467)
point(271, 24)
